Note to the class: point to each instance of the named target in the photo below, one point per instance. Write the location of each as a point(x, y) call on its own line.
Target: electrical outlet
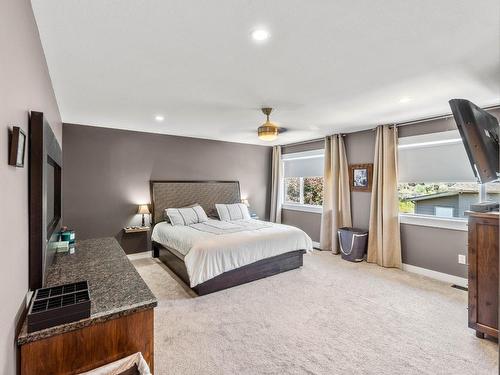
point(462, 259)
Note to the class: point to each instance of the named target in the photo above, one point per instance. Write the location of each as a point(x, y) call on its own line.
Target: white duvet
point(207, 254)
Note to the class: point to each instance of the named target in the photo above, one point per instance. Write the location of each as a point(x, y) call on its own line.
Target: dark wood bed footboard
point(251, 272)
point(172, 261)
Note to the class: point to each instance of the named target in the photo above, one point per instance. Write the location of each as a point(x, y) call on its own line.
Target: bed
point(216, 255)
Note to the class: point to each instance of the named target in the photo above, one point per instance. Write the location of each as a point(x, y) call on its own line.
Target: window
point(304, 190)
point(303, 180)
point(436, 178)
point(443, 211)
point(446, 200)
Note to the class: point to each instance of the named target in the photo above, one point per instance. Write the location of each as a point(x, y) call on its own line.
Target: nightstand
point(135, 239)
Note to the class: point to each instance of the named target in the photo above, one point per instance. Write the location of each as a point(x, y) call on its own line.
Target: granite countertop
point(116, 289)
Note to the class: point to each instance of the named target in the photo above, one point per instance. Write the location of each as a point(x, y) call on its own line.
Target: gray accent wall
point(309, 222)
point(436, 249)
point(435, 126)
point(301, 147)
point(107, 173)
point(360, 149)
point(25, 85)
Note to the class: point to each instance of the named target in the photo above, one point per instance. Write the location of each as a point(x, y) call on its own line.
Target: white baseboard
point(143, 254)
point(447, 278)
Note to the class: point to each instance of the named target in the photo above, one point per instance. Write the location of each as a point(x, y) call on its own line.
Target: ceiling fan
point(269, 131)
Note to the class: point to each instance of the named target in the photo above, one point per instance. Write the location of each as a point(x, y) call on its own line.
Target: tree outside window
point(304, 190)
point(292, 190)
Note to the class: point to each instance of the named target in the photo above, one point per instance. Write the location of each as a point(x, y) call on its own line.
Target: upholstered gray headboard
point(167, 194)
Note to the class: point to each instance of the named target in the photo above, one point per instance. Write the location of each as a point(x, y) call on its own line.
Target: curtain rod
point(439, 117)
point(304, 142)
point(425, 119)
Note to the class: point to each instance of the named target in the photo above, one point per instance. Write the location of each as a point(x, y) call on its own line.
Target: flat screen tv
point(479, 131)
point(53, 194)
point(45, 169)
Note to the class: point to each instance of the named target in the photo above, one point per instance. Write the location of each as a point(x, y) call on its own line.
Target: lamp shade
point(245, 202)
point(143, 209)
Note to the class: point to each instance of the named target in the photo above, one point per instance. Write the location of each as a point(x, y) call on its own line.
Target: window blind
point(437, 157)
point(304, 164)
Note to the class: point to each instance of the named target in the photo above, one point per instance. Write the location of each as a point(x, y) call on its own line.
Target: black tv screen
point(53, 194)
point(45, 161)
point(479, 131)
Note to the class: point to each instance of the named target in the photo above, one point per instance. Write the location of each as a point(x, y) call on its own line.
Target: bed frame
point(165, 194)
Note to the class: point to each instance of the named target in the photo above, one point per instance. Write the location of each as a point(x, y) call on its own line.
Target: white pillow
point(229, 212)
point(186, 215)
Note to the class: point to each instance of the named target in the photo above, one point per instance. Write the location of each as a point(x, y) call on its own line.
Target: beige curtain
point(276, 177)
point(384, 239)
point(336, 193)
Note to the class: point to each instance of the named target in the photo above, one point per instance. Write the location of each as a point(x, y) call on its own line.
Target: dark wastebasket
point(353, 243)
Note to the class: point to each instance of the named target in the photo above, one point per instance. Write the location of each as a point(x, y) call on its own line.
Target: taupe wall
point(309, 222)
point(360, 149)
point(435, 126)
point(432, 248)
point(436, 249)
point(107, 173)
point(301, 147)
point(24, 85)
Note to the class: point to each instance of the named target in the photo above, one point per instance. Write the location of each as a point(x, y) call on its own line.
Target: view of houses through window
point(442, 199)
point(436, 177)
point(303, 178)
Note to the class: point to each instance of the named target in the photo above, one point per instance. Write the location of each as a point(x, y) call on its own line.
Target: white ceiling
point(329, 66)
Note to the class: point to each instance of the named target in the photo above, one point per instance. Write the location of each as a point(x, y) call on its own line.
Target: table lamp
point(245, 202)
point(143, 210)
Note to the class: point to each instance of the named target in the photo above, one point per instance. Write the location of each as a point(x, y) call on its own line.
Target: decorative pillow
point(167, 219)
point(229, 212)
point(186, 215)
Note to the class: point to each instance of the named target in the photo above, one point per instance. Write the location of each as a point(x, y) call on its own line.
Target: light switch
point(462, 259)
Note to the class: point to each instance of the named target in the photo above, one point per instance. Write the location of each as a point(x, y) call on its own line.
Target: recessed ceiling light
point(159, 118)
point(259, 35)
point(404, 99)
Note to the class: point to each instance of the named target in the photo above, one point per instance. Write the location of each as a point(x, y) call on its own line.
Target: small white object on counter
point(62, 246)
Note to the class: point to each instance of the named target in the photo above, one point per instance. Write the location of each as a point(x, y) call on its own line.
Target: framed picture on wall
point(360, 177)
point(17, 147)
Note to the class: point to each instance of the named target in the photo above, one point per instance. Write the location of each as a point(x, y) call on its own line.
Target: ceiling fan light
point(268, 132)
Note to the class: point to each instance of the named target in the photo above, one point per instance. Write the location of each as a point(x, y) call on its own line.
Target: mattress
point(209, 252)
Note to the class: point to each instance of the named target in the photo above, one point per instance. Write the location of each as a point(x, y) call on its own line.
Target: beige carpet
point(329, 317)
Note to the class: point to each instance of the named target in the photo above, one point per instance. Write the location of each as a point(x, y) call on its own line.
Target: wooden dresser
point(483, 273)
point(121, 322)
